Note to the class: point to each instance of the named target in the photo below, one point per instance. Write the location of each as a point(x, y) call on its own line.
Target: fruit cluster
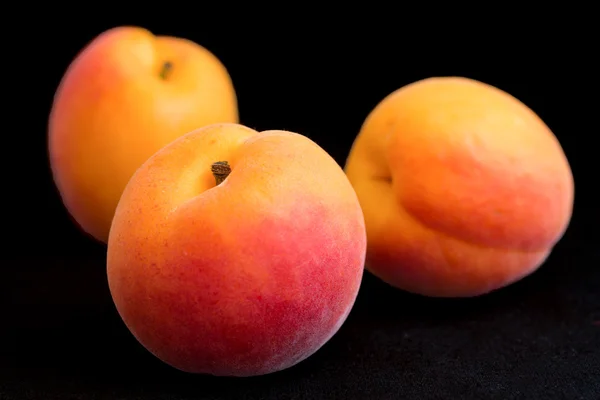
point(237, 252)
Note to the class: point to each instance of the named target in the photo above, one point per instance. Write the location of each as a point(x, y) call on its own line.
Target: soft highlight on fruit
point(463, 187)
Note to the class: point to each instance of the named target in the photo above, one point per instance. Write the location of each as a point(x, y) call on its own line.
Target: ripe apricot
point(126, 95)
point(234, 252)
point(463, 187)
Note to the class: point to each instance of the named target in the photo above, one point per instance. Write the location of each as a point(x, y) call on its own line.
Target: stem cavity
point(220, 171)
point(165, 70)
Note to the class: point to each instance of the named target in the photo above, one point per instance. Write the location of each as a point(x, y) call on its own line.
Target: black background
point(61, 337)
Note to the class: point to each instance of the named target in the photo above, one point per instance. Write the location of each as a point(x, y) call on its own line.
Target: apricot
point(464, 189)
point(234, 252)
point(126, 95)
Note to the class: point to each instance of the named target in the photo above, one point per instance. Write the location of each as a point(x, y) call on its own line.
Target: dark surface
point(538, 339)
point(61, 337)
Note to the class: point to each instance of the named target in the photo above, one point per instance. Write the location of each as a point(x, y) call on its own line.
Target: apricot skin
point(464, 188)
point(113, 110)
point(245, 278)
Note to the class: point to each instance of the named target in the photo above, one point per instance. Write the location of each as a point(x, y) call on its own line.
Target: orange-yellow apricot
point(126, 95)
point(234, 252)
point(464, 188)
